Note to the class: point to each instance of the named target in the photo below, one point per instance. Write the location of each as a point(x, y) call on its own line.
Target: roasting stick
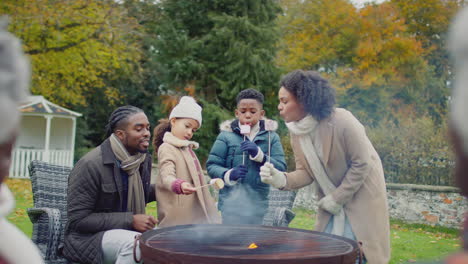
point(217, 184)
point(270, 125)
point(245, 130)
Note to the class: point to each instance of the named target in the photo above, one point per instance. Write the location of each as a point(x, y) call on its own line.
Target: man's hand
point(187, 188)
point(142, 222)
point(270, 175)
point(250, 147)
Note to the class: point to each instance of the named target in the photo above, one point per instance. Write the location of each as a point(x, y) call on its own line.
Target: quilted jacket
point(95, 203)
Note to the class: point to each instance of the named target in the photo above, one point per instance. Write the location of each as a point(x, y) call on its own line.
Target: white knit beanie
point(14, 82)
point(187, 108)
point(458, 46)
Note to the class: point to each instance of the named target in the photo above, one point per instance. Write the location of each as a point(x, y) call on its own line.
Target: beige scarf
point(305, 129)
point(131, 165)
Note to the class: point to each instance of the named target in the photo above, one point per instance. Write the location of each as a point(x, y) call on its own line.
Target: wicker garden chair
point(49, 215)
point(279, 211)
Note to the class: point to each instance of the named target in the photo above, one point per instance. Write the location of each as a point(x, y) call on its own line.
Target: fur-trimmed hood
point(233, 124)
point(176, 142)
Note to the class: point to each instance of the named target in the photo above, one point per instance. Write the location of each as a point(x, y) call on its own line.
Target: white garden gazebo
point(47, 133)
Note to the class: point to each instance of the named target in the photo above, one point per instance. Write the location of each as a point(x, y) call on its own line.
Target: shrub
point(414, 150)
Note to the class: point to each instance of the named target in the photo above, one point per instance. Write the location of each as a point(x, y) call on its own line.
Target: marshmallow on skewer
point(218, 184)
point(271, 125)
point(245, 130)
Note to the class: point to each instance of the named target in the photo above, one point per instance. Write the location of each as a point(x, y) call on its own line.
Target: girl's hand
point(187, 188)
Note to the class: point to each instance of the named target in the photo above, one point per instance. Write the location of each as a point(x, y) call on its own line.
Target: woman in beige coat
point(333, 152)
point(180, 202)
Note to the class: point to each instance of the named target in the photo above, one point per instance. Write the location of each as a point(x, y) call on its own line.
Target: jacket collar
point(179, 143)
point(108, 156)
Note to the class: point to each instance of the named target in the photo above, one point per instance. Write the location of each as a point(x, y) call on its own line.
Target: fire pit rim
point(151, 233)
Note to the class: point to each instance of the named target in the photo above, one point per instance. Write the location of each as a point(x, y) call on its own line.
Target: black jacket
point(94, 203)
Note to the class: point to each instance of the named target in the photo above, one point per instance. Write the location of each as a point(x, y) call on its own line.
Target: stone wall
point(433, 205)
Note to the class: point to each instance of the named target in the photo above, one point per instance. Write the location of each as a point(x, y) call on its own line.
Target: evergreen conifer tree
point(215, 49)
point(220, 47)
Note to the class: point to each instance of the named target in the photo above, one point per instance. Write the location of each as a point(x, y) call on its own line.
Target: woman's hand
point(272, 176)
point(328, 204)
point(187, 188)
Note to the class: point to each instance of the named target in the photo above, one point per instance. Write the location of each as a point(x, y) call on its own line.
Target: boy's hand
point(238, 172)
point(272, 176)
point(250, 147)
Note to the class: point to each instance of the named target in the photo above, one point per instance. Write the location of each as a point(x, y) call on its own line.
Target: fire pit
point(205, 244)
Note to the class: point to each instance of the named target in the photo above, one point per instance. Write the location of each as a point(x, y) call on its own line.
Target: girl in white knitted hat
point(180, 201)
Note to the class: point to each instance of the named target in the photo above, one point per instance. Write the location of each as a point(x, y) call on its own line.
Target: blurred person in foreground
point(458, 127)
point(15, 247)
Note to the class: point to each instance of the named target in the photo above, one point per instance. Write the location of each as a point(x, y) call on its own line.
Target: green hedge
point(414, 150)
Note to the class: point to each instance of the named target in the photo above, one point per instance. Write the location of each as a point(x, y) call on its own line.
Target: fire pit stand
point(206, 244)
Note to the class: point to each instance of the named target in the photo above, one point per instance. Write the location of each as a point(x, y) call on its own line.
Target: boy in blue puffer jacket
point(244, 199)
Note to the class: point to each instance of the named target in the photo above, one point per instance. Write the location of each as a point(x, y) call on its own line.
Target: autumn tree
point(428, 21)
point(72, 45)
point(373, 60)
point(320, 35)
point(85, 55)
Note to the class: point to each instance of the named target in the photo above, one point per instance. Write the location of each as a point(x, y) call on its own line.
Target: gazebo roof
point(39, 105)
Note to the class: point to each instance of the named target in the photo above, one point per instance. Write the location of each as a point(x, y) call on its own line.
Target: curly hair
point(158, 133)
point(312, 91)
point(250, 94)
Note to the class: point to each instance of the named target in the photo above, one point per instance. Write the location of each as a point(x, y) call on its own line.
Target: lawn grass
point(23, 196)
point(409, 242)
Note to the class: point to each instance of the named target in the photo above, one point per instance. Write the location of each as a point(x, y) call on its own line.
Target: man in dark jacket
point(107, 193)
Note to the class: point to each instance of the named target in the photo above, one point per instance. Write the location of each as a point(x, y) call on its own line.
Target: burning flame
point(252, 246)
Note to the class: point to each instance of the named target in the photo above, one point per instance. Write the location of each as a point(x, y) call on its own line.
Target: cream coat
point(176, 162)
point(355, 168)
